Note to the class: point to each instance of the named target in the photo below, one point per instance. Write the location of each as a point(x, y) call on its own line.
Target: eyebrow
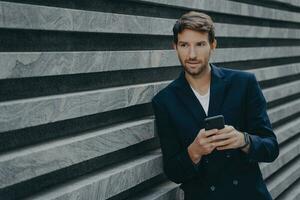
point(196, 42)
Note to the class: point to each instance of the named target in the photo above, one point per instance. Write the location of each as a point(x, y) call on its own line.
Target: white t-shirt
point(203, 99)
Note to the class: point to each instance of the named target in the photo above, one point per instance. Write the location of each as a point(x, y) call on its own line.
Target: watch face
point(247, 139)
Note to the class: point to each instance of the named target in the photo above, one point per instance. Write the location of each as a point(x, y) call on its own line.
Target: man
point(212, 164)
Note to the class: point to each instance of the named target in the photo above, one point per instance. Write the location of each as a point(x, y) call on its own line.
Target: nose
point(192, 53)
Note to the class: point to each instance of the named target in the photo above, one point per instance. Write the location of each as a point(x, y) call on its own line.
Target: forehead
point(188, 35)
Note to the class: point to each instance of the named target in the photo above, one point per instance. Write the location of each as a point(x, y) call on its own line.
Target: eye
point(183, 45)
point(201, 44)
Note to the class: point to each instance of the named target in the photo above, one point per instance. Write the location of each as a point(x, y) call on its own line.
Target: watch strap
point(246, 138)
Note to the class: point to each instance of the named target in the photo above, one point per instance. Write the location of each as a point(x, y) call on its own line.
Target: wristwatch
point(246, 138)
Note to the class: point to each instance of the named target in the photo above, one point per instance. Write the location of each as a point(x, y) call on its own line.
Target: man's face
point(194, 50)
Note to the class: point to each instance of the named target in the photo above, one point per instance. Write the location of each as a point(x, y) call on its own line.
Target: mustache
point(193, 60)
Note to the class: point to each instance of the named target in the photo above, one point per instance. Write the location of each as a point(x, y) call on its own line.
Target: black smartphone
point(215, 122)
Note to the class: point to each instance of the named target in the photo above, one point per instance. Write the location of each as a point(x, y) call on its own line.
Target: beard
point(195, 70)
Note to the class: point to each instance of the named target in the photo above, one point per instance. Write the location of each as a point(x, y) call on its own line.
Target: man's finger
point(225, 147)
point(222, 136)
point(210, 132)
point(226, 130)
point(224, 142)
point(202, 131)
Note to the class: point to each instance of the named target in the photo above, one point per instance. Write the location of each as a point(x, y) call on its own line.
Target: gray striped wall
point(77, 77)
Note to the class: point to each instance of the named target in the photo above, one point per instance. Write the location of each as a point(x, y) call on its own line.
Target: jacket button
point(235, 182)
point(206, 160)
point(212, 188)
point(228, 156)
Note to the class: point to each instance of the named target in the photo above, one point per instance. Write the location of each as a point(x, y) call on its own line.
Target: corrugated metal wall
point(77, 77)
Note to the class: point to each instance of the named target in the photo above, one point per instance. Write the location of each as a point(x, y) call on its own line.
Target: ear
point(214, 45)
point(174, 46)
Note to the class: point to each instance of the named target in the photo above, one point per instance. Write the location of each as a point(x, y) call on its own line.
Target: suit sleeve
point(264, 145)
point(177, 164)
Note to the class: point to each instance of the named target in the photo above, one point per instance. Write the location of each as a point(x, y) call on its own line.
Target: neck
point(201, 82)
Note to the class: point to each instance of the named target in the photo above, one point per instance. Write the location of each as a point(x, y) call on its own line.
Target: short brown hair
point(195, 21)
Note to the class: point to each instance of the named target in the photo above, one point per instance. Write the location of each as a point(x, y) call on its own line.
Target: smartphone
point(215, 122)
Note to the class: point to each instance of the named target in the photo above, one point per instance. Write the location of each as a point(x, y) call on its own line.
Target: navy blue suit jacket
point(229, 174)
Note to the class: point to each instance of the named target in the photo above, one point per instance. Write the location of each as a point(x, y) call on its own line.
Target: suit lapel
point(218, 89)
point(188, 98)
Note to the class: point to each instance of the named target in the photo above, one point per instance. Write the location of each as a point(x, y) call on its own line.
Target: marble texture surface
point(165, 191)
point(69, 152)
point(276, 71)
point(287, 130)
point(78, 189)
point(293, 193)
point(291, 2)
point(17, 65)
point(104, 184)
point(32, 64)
point(31, 112)
point(230, 7)
point(283, 111)
point(284, 179)
point(243, 54)
point(282, 90)
point(37, 160)
point(287, 154)
point(22, 16)
point(245, 31)
point(42, 159)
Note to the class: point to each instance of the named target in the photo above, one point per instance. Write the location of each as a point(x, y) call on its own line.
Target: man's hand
point(229, 138)
point(207, 141)
point(202, 145)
